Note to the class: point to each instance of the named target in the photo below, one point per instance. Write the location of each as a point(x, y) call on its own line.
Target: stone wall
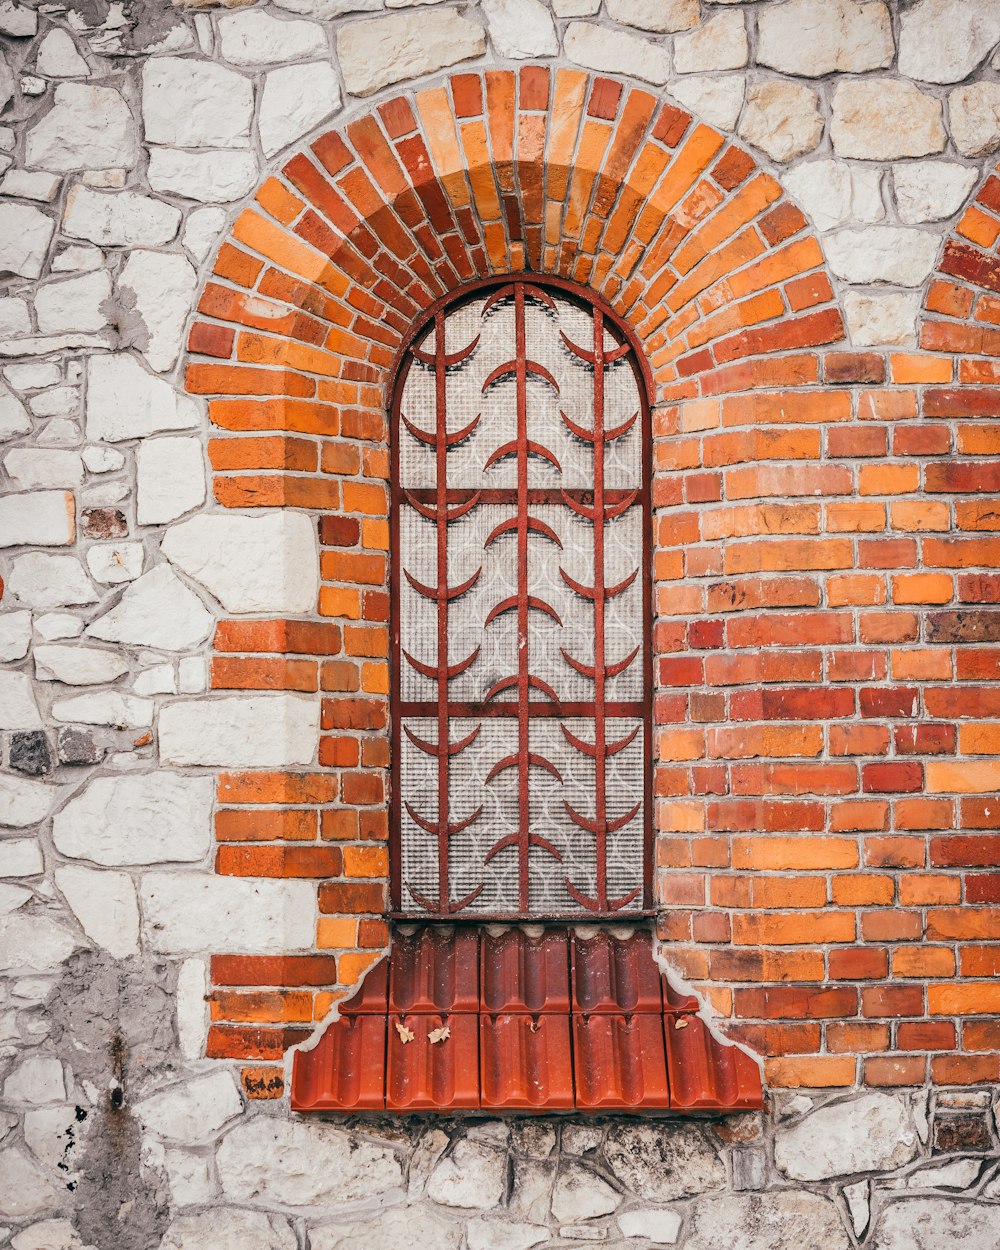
point(192, 625)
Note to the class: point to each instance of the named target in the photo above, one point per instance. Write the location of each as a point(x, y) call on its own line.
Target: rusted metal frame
point(509, 708)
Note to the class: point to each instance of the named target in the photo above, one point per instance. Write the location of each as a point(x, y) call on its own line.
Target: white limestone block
point(28, 184)
point(227, 1228)
point(880, 119)
point(213, 177)
point(14, 318)
point(934, 1223)
point(125, 402)
point(37, 1080)
point(73, 304)
point(34, 944)
point(24, 1191)
point(40, 580)
point(146, 818)
point(77, 666)
point(252, 37)
point(974, 114)
point(33, 468)
point(20, 857)
point(114, 563)
point(78, 258)
point(721, 43)
point(416, 1227)
point(25, 234)
point(580, 1194)
point(55, 625)
point(765, 1221)
point(109, 707)
point(202, 229)
point(15, 635)
point(258, 563)
point(98, 459)
point(193, 1111)
point(931, 190)
point(49, 1234)
point(817, 37)
point(192, 1007)
point(119, 218)
point(384, 50)
point(520, 28)
point(195, 104)
point(717, 101)
point(782, 119)
point(240, 731)
point(105, 905)
point(658, 1226)
point(875, 1132)
point(159, 287)
point(17, 20)
point(834, 193)
point(58, 56)
point(881, 319)
point(18, 709)
point(295, 99)
point(159, 679)
point(656, 15)
point(24, 801)
point(87, 128)
point(943, 41)
point(157, 610)
point(303, 1163)
point(14, 419)
point(587, 8)
point(500, 1235)
point(616, 52)
point(187, 913)
point(55, 1137)
point(897, 254)
point(325, 9)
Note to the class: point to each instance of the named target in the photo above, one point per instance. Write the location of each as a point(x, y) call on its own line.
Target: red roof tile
point(463, 1018)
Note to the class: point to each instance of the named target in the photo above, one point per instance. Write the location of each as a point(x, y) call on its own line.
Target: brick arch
point(791, 769)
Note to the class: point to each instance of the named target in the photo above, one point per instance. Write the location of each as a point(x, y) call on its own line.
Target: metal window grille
point(521, 612)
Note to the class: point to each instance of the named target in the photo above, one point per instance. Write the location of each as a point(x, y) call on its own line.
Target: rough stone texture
point(296, 99)
point(218, 104)
point(929, 191)
point(664, 1161)
point(934, 1224)
point(869, 1134)
point(943, 41)
point(401, 1226)
point(256, 38)
point(274, 1160)
point(580, 1194)
point(124, 401)
point(721, 43)
point(193, 1111)
point(41, 580)
point(212, 177)
point(229, 1228)
point(157, 610)
point(616, 52)
point(386, 50)
point(18, 709)
point(250, 564)
point(835, 192)
point(881, 319)
point(23, 802)
point(881, 119)
point(520, 28)
point(763, 1221)
point(24, 1191)
point(893, 254)
point(655, 15)
point(25, 234)
point(782, 119)
point(105, 905)
point(974, 112)
point(817, 37)
point(88, 127)
point(717, 100)
point(77, 666)
point(170, 478)
point(145, 819)
point(119, 218)
point(659, 1227)
point(161, 289)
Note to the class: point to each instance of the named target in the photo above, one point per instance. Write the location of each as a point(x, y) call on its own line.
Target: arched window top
point(521, 611)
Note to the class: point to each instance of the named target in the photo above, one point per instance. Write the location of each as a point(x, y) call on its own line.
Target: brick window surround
point(824, 571)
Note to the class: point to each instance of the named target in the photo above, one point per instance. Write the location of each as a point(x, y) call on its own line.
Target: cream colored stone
point(974, 117)
point(931, 190)
point(520, 28)
point(195, 104)
point(384, 50)
point(87, 128)
point(782, 119)
point(835, 193)
point(894, 254)
point(879, 119)
point(160, 289)
point(295, 99)
point(656, 15)
point(714, 100)
point(105, 905)
point(817, 37)
point(943, 41)
point(254, 37)
point(616, 52)
point(721, 43)
point(240, 731)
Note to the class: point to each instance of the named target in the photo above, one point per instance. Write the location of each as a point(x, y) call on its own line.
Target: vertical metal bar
point(600, 658)
point(441, 489)
point(523, 688)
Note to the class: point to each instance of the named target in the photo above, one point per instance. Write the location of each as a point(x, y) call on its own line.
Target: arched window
point(521, 611)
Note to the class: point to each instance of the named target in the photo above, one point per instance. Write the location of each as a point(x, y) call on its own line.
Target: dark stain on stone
point(967, 1131)
point(104, 523)
point(77, 746)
